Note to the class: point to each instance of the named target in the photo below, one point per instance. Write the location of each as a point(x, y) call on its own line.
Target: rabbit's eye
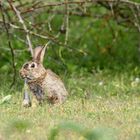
point(32, 65)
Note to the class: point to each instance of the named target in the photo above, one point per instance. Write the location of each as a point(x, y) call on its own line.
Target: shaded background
point(82, 35)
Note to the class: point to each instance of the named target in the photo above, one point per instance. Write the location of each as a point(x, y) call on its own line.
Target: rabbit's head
point(34, 69)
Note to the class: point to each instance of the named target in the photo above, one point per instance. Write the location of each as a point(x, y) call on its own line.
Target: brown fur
point(44, 84)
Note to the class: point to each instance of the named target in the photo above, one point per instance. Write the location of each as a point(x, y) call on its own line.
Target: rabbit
point(43, 83)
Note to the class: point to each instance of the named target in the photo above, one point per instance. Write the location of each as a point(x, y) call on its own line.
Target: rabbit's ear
point(39, 54)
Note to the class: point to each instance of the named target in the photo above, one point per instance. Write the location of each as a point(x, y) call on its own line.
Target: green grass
point(101, 106)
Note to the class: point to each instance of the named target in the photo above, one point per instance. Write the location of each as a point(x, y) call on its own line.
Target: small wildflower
point(135, 82)
point(28, 131)
point(100, 83)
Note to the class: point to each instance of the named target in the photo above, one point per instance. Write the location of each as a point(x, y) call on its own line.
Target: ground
point(101, 106)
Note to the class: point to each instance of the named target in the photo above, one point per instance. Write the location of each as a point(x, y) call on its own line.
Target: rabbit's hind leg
point(54, 100)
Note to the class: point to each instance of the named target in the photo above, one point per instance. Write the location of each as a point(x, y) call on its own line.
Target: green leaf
point(5, 99)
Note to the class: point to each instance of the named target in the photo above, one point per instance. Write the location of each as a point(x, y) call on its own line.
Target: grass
point(101, 106)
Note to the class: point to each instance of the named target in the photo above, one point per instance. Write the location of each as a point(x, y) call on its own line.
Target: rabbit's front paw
point(26, 103)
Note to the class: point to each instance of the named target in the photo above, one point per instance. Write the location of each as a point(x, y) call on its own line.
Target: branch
point(10, 45)
point(50, 39)
point(23, 24)
point(136, 21)
point(117, 7)
point(66, 21)
point(52, 4)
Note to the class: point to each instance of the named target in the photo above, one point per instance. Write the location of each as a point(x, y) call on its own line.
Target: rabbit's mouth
point(30, 78)
point(26, 76)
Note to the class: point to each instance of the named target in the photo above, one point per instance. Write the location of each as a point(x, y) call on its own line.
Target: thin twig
point(136, 21)
point(10, 45)
point(66, 22)
point(23, 24)
point(50, 41)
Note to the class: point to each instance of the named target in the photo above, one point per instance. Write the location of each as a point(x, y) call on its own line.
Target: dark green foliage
point(92, 43)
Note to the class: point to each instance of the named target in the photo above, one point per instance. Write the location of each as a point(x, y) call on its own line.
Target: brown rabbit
point(43, 83)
